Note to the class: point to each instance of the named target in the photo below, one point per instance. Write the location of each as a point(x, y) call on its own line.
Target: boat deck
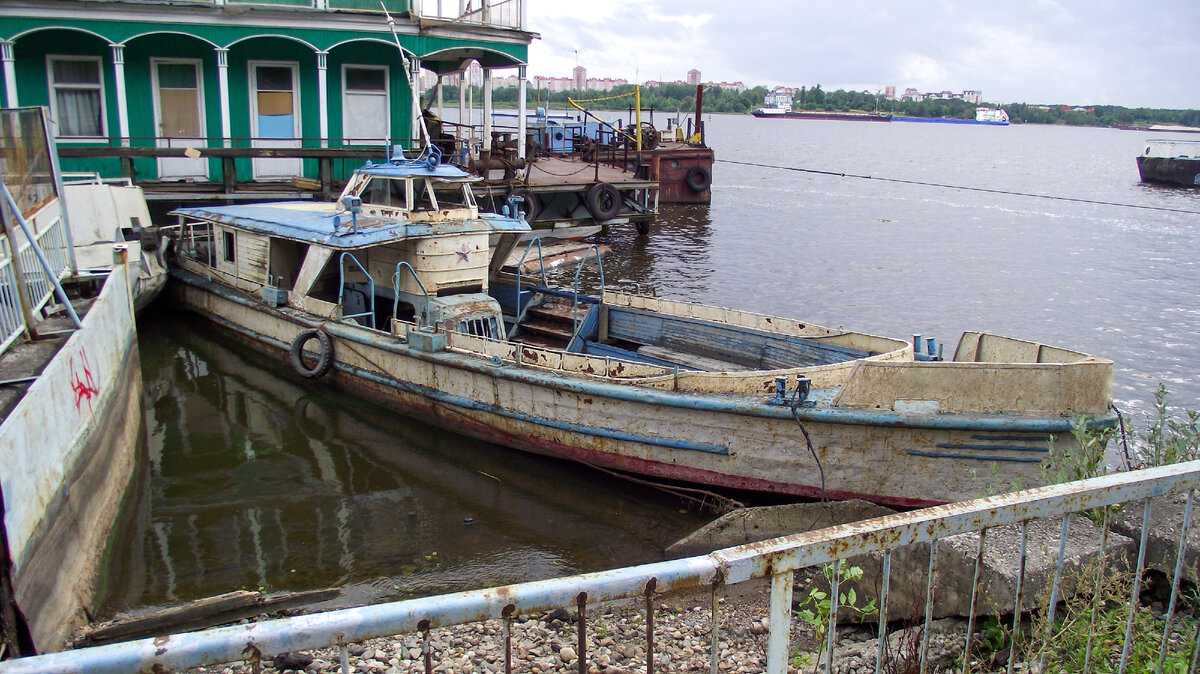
point(551, 174)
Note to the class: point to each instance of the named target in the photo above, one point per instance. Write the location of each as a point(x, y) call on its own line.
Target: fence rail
point(776, 559)
point(12, 320)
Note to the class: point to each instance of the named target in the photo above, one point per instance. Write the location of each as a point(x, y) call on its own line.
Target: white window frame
point(387, 96)
point(252, 80)
point(198, 64)
point(53, 87)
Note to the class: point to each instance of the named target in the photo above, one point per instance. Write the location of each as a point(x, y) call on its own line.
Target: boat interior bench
point(676, 341)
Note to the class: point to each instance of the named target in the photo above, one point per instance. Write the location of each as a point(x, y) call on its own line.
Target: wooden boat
point(392, 293)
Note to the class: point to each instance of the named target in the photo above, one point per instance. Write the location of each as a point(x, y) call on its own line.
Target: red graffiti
point(85, 386)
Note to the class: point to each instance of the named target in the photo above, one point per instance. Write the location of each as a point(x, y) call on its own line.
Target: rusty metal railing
point(777, 559)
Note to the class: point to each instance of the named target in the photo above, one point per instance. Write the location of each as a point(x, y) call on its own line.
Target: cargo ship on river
point(784, 113)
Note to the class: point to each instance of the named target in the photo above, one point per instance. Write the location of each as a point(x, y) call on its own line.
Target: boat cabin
point(404, 242)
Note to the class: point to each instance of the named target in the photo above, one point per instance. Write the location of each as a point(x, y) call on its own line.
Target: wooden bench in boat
point(690, 361)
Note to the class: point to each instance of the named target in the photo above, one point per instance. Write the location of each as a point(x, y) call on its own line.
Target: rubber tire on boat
point(698, 179)
point(324, 354)
point(603, 202)
point(531, 205)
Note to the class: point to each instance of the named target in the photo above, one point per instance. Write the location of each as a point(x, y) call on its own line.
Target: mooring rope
point(959, 187)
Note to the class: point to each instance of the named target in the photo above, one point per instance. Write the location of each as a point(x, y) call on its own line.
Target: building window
point(227, 247)
point(77, 96)
point(365, 107)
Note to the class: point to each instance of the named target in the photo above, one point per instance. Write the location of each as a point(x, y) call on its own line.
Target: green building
point(242, 73)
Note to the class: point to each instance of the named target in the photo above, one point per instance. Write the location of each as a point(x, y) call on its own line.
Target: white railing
point(12, 319)
point(53, 243)
point(497, 13)
point(776, 559)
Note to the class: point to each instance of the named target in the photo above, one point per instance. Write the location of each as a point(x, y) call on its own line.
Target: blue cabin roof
point(315, 223)
point(415, 168)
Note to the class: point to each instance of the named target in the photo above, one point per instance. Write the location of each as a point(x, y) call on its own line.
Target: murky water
point(255, 478)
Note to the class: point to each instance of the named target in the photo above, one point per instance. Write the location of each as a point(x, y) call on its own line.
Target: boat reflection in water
point(256, 479)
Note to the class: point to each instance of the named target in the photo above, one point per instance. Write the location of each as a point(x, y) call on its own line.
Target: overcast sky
point(1136, 53)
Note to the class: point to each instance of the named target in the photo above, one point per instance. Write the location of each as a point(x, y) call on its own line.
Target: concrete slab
point(955, 568)
point(1162, 541)
point(750, 525)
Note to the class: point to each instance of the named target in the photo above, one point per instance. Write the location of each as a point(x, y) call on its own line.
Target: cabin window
point(365, 108)
point(76, 96)
point(227, 246)
point(425, 200)
point(384, 192)
point(453, 195)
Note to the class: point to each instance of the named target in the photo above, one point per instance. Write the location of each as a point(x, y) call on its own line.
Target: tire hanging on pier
point(324, 353)
point(603, 202)
point(530, 205)
point(698, 179)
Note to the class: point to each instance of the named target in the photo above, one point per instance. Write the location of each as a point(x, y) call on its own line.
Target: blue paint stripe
point(1011, 448)
point(467, 403)
point(940, 455)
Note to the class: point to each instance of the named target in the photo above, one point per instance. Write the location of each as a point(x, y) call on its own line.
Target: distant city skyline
point(1082, 52)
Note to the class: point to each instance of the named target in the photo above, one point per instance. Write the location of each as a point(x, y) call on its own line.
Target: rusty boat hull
point(656, 424)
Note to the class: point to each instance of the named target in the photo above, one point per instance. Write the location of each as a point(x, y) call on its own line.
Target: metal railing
point(394, 6)
point(496, 13)
point(777, 559)
point(53, 243)
point(12, 320)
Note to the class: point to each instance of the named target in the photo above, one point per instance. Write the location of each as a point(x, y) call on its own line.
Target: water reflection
point(257, 479)
point(677, 256)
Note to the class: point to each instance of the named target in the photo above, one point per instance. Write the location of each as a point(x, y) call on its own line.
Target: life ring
point(603, 202)
point(530, 204)
point(698, 179)
point(324, 353)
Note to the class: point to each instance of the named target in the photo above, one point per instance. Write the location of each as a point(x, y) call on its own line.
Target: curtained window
point(77, 96)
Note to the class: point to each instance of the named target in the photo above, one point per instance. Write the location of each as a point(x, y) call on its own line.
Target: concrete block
point(750, 525)
point(1162, 541)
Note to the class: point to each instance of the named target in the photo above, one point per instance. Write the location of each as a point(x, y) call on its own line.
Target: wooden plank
point(207, 612)
point(691, 361)
point(724, 342)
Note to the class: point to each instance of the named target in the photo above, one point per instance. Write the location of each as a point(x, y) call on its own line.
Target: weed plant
point(1089, 631)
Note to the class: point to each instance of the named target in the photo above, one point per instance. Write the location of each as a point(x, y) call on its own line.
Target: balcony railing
point(496, 13)
point(493, 13)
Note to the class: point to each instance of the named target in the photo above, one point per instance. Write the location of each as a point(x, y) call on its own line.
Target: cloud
point(1037, 51)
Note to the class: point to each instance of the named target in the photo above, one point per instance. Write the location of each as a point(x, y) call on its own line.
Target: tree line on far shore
point(671, 98)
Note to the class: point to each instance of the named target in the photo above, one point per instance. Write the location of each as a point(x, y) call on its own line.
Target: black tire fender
point(698, 179)
point(531, 205)
point(324, 353)
point(603, 202)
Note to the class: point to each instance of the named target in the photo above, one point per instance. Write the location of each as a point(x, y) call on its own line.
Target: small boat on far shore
point(1176, 162)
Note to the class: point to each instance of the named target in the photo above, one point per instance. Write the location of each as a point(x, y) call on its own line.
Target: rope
point(961, 187)
point(597, 100)
point(561, 175)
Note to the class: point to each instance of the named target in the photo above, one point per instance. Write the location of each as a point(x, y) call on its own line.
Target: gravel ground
point(616, 638)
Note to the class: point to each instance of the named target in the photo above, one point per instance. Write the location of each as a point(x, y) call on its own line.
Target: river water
point(254, 478)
